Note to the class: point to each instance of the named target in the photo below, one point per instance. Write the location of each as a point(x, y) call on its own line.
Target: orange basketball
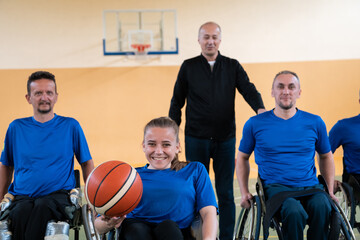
point(113, 188)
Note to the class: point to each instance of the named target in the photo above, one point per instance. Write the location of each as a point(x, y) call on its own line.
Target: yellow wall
point(114, 96)
point(114, 104)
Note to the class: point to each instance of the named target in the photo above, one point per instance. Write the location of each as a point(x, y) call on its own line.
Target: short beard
point(44, 111)
point(286, 107)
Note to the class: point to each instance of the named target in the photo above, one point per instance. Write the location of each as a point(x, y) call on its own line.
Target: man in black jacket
point(208, 83)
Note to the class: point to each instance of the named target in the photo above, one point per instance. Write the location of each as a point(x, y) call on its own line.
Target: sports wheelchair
point(353, 198)
point(80, 214)
point(195, 231)
point(248, 225)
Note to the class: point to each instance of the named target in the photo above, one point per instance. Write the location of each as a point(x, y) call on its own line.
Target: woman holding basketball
point(173, 192)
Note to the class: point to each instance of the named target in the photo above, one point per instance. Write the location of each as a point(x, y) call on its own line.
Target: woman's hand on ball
point(113, 222)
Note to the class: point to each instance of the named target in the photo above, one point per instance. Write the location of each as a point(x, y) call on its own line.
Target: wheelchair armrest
point(8, 197)
point(75, 197)
point(74, 211)
point(6, 201)
point(4, 205)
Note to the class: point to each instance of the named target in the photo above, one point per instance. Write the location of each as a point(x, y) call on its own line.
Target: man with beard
point(40, 151)
point(284, 141)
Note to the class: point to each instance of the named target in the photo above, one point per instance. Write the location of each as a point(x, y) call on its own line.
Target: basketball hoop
point(140, 48)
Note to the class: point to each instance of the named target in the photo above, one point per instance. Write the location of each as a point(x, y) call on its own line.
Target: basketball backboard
point(130, 32)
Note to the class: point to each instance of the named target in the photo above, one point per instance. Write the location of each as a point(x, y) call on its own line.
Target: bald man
point(208, 84)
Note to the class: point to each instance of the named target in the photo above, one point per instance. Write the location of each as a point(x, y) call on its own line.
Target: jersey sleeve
point(81, 148)
point(335, 137)
point(6, 154)
point(205, 195)
point(322, 144)
point(247, 143)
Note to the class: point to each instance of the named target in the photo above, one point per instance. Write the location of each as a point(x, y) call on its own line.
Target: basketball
point(113, 188)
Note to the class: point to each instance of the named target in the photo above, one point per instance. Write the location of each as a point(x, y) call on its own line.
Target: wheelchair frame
point(354, 198)
point(82, 216)
point(249, 222)
point(85, 217)
point(344, 193)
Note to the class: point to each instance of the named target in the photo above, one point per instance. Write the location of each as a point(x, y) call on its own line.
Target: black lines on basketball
point(114, 188)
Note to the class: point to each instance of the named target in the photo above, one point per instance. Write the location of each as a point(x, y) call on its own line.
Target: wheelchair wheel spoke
point(344, 202)
point(248, 224)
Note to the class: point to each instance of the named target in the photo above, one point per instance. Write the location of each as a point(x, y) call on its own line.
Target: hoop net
point(140, 49)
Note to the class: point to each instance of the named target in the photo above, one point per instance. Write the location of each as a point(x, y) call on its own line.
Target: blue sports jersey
point(346, 133)
point(43, 154)
point(174, 195)
point(285, 149)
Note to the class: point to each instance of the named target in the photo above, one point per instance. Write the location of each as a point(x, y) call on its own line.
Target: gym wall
point(113, 97)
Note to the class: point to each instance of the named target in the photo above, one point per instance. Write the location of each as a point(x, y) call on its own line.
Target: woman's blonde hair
point(165, 122)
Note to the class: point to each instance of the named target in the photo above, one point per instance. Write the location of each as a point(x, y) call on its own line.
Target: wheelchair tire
point(346, 231)
point(88, 222)
point(276, 225)
point(346, 201)
point(249, 221)
point(351, 203)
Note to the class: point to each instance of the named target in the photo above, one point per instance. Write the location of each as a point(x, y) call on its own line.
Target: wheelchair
point(353, 200)
point(81, 215)
point(248, 225)
point(195, 231)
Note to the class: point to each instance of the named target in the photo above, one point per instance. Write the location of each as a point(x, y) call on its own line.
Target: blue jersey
point(285, 149)
point(346, 133)
point(174, 195)
point(42, 154)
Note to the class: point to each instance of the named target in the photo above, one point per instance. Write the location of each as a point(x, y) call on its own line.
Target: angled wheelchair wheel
point(346, 199)
point(88, 222)
point(249, 221)
point(275, 224)
point(346, 231)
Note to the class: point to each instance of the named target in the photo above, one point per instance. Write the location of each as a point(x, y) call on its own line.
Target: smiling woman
point(160, 147)
point(174, 192)
point(161, 144)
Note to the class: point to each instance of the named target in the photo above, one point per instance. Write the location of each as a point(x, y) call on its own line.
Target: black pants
point(223, 155)
point(133, 229)
point(29, 216)
point(346, 175)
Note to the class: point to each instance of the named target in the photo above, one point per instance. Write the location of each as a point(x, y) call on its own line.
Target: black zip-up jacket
point(210, 96)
